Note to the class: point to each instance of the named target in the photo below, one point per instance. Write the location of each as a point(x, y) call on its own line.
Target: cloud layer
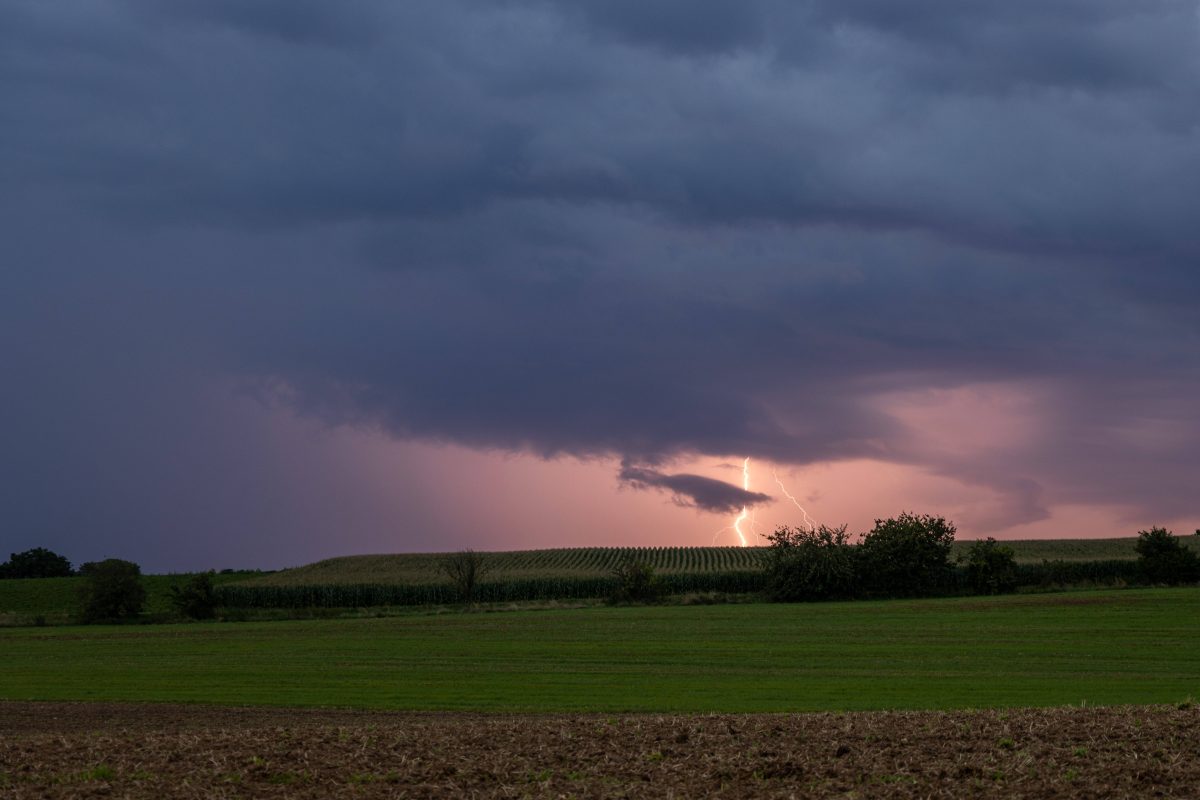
point(693, 491)
point(641, 230)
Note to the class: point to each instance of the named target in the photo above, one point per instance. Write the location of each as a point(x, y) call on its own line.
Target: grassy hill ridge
point(423, 568)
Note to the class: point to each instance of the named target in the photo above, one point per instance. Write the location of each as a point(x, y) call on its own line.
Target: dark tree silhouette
point(818, 564)
point(196, 598)
point(465, 569)
point(1163, 558)
point(113, 591)
point(908, 555)
point(36, 563)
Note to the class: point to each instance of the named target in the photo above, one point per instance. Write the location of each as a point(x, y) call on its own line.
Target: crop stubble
point(95, 749)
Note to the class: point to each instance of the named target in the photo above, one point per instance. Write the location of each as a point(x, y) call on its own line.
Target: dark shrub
point(36, 563)
point(636, 583)
point(465, 569)
point(196, 598)
point(991, 567)
point(113, 591)
point(815, 564)
point(907, 556)
point(1163, 558)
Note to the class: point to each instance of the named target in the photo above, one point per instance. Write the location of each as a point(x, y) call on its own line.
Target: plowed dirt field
point(115, 750)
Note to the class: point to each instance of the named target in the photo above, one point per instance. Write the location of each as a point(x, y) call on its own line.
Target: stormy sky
point(284, 279)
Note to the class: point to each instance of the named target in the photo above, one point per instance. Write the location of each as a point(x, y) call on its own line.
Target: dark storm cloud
point(689, 27)
point(693, 491)
point(300, 22)
point(629, 229)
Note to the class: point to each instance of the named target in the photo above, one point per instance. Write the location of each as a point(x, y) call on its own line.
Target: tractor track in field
point(160, 750)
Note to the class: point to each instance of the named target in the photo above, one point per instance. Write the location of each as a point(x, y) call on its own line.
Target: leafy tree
point(907, 556)
point(36, 563)
point(636, 582)
point(113, 591)
point(818, 564)
point(196, 598)
point(991, 567)
point(465, 569)
point(1163, 558)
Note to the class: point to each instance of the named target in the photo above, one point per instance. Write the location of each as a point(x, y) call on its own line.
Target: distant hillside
point(422, 568)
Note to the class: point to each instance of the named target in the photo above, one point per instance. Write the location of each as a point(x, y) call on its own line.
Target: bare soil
point(118, 750)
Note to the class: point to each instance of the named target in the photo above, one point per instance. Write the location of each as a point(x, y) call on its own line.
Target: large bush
point(196, 599)
point(907, 556)
point(991, 567)
point(817, 564)
point(36, 563)
point(1163, 558)
point(112, 591)
point(636, 583)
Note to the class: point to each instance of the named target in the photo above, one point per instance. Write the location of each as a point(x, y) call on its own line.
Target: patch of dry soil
point(119, 750)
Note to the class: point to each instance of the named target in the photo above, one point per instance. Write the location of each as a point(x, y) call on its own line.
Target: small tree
point(113, 591)
point(907, 556)
point(991, 567)
point(637, 583)
point(36, 563)
point(465, 569)
point(1163, 558)
point(815, 564)
point(196, 598)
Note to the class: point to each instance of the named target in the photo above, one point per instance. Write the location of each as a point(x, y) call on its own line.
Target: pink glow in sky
point(431, 497)
point(453, 498)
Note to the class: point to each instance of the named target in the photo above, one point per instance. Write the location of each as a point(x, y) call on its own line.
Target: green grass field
point(56, 599)
point(423, 568)
point(1104, 647)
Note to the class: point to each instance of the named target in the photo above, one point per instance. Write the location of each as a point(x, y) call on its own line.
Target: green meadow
point(1101, 647)
point(56, 600)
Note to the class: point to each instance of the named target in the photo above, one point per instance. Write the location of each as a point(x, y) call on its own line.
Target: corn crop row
point(1065, 573)
point(365, 595)
point(663, 559)
point(1047, 573)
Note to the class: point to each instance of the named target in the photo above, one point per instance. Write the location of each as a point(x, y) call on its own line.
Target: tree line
point(112, 589)
point(909, 556)
point(904, 556)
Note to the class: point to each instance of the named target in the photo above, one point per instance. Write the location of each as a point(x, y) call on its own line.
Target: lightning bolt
point(744, 514)
point(741, 517)
point(812, 526)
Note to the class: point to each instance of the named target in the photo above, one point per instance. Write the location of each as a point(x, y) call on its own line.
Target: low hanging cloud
point(693, 491)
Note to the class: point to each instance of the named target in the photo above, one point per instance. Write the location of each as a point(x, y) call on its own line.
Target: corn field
point(567, 574)
point(495, 591)
point(564, 563)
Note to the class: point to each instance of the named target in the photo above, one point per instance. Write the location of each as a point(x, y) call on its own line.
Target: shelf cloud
point(640, 231)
